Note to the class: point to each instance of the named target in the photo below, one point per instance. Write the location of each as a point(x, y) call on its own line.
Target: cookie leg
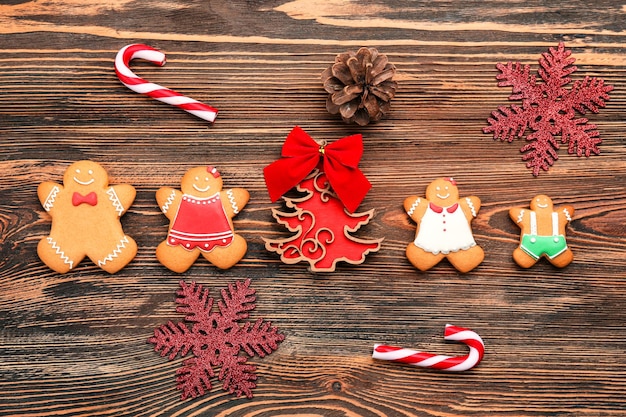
point(563, 259)
point(116, 255)
point(466, 260)
point(176, 258)
point(523, 259)
point(421, 259)
point(226, 257)
point(58, 255)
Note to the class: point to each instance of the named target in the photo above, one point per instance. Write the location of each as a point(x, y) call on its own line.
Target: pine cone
point(360, 86)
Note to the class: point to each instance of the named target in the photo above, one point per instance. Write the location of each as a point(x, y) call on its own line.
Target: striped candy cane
point(430, 360)
point(139, 85)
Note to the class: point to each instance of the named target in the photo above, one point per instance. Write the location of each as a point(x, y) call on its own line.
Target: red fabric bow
point(339, 160)
point(78, 199)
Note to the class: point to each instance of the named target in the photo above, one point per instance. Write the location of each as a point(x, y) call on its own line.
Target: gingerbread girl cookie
point(201, 221)
point(443, 227)
point(542, 233)
point(85, 214)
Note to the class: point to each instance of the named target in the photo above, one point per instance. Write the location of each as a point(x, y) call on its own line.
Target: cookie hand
point(234, 199)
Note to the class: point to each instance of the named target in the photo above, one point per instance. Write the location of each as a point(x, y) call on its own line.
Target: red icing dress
point(200, 223)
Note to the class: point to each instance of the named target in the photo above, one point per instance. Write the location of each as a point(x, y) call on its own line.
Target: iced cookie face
point(201, 182)
point(541, 202)
point(85, 175)
point(443, 192)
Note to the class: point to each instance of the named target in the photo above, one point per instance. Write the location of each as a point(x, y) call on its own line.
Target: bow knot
point(91, 199)
point(339, 160)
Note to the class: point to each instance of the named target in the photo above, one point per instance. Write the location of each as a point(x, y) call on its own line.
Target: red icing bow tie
point(78, 199)
point(301, 155)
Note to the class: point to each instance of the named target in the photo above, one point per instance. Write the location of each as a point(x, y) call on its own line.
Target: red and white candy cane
point(431, 360)
point(141, 86)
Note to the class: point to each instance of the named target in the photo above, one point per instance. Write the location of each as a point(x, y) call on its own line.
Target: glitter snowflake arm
point(588, 94)
point(507, 123)
point(260, 339)
point(237, 301)
point(556, 65)
point(582, 138)
point(172, 339)
point(193, 379)
point(517, 77)
point(237, 376)
point(541, 151)
point(194, 301)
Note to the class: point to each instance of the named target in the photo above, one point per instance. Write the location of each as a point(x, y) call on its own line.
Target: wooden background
point(75, 344)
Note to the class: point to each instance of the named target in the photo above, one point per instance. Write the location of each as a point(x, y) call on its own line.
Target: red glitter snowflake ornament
point(215, 339)
point(548, 109)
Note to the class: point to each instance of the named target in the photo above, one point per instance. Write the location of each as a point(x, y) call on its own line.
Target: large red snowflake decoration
point(322, 227)
point(215, 339)
point(548, 109)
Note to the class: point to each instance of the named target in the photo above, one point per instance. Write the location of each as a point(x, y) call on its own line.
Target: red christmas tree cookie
point(443, 227)
point(201, 221)
point(323, 219)
point(322, 228)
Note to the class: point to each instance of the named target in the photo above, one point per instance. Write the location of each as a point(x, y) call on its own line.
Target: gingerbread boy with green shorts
point(542, 233)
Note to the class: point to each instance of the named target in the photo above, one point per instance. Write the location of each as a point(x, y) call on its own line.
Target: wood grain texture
point(75, 344)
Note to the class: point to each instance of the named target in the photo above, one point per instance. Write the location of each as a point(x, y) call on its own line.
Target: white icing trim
point(58, 251)
point(49, 203)
point(414, 206)
point(533, 223)
point(471, 206)
point(521, 216)
point(116, 252)
point(168, 202)
point(119, 208)
point(567, 215)
point(233, 203)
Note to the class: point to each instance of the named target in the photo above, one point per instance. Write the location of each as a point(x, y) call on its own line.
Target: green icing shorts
point(536, 246)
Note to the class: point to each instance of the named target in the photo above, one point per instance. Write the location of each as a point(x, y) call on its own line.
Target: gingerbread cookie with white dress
point(201, 221)
point(86, 213)
point(443, 227)
point(542, 233)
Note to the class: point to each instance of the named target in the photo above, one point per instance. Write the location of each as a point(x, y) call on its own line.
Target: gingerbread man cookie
point(201, 221)
point(542, 233)
point(85, 214)
point(443, 227)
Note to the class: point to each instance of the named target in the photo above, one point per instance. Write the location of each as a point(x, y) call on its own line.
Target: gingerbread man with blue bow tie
point(85, 213)
point(443, 227)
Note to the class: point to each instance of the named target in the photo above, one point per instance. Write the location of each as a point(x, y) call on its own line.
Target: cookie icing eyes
point(545, 205)
point(90, 172)
point(442, 196)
